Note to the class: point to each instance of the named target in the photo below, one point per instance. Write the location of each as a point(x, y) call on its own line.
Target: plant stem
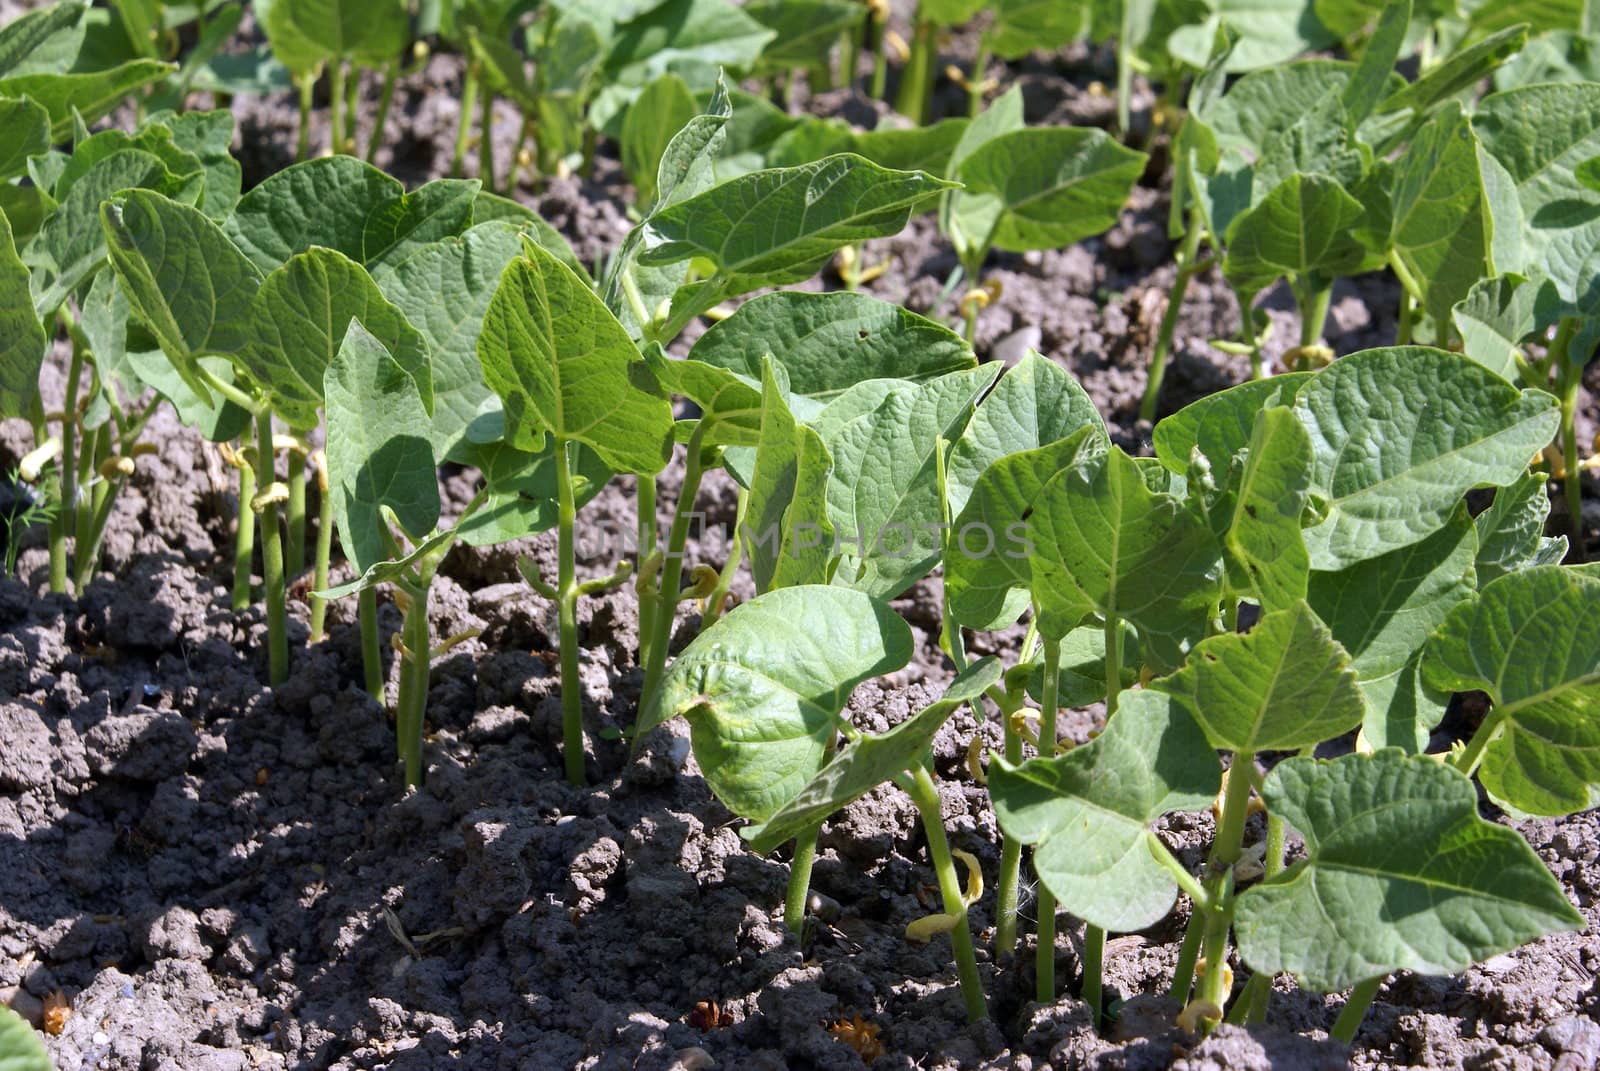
point(672, 569)
point(68, 468)
point(272, 559)
point(83, 510)
point(567, 608)
point(1045, 952)
point(352, 110)
point(1314, 312)
point(648, 591)
point(1403, 324)
point(1187, 269)
point(848, 52)
point(371, 649)
point(969, 321)
point(486, 142)
point(730, 568)
point(319, 581)
point(980, 67)
point(1253, 995)
point(469, 100)
point(294, 550)
point(385, 101)
point(1467, 761)
point(1125, 72)
point(1188, 953)
point(306, 84)
point(926, 797)
point(916, 80)
point(244, 537)
point(1571, 378)
point(1355, 1010)
point(412, 701)
point(1005, 939)
point(336, 76)
point(794, 903)
point(1225, 852)
point(1094, 956)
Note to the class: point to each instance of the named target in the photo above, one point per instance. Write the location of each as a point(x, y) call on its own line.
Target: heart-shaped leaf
point(1302, 226)
point(1400, 434)
point(1221, 424)
point(1400, 874)
point(871, 760)
point(1531, 640)
point(763, 688)
point(1284, 685)
point(1264, 551)
point(1511, 531)
point(1089, 811)
point(1494, 318)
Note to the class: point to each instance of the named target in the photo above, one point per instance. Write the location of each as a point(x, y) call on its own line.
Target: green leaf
point(883, 496)
point(443, 290)
point(1270, 33)
point(1265, 554)
point(805, 31)
point(786, 527)
point(22, 338)
point(1376, 65)
point(561, 363)
point(207, 136)
point(1035, 403)
point(1302, 226)
point(730, 405)
point(92, 95)
point(491, 207)
point(652, 121)
point(1400, 874)
point(1082, 679)
point(949, 12)
point(1284, 685)
point(868, 762)
point(1531, 640)
point(828, 343)
point(378, 452)
point(1089, 811)
point(350, 206)
point(43, 41)
point(685, 36)
point(1265, 105)
point(1399, 435)
point(523, 493)
point(763, 688)
point(24, 132)
point(1222, 424)
point(1541, 135)
point(1459, 71)
point(1441, 229)
point(1383, 610)
point(1022, 26)
point(305, 33)
point(771, 228)
point(189, 284)
point(20, 1048)
point(919, 148)
point(1511, 531)
point(1042, 188)
point(1494, 318)
point(297, 324)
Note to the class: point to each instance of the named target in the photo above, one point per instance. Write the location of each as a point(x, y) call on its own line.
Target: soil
point(222, 875)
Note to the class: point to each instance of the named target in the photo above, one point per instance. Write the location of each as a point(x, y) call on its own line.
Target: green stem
point(294, 550)
point(1572, 477)
point(68, 467)
point(1251, 337)
point(848, 52)
point(412, 701)
point(1125, 71)
point(672, 569)
point(1225, 851)
point(648, 590)
point(244, 536)
point(272, 561)
point(567, 607)
point(1314, 312)
point(1403, 325)
point(486, 142)
point(916, 80)
point(926, 797)
point(306, 84)
point(1113, 663)
point(385, 101)
point(1005, 939)
point(1094, 956)
point(730, 568)
point(1045, 953)
point(352, 110)
point(469, 101)
point(794, 903)
point(980, 67)
point(1188, 954)
point(1254, 994)
point(1467, 761)
point(83, 504)
point(336, 103)
point(371, 648)
point(969, 321)
point(1187, 269)
point(1355, 1010)
point(319, 575)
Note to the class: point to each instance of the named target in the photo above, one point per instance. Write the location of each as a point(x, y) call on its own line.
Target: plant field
point(678, 534)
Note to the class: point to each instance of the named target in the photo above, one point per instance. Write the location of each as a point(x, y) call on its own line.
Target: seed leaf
point(22, 338)
point(186, 280)
point(870, 761)
point(1035, 403)
point(561, 363)
point(1541, 135)
point(1531, 640)
point(827, 343)
point(378, 451)
point(1043, 188)
point(1382, 611)
point(350, 206)
point(1284, 685)
point(1088, 812)
point(1400, 874)
point(763, 688)
point(884, 492)
point(786, 527)
point(1399, 435)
